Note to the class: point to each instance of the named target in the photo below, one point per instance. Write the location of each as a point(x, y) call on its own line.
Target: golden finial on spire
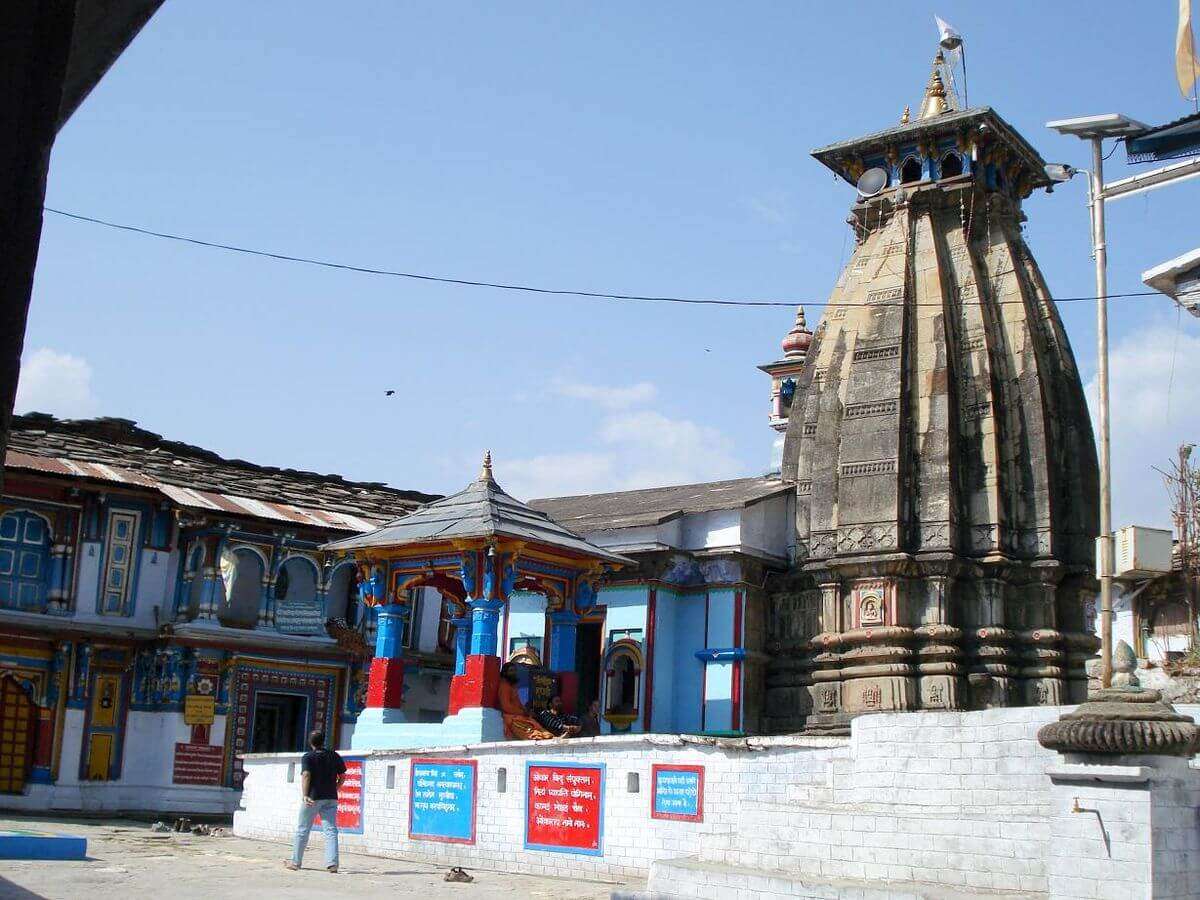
point(485, 474)
point(934, 103)
point(905, 116)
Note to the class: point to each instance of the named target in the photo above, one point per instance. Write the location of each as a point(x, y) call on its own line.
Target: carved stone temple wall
point(941, 450)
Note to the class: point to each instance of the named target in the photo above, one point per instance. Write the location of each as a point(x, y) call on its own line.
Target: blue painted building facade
point(163, 610)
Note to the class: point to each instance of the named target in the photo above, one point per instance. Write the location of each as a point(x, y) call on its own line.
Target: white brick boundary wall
point(961, 800)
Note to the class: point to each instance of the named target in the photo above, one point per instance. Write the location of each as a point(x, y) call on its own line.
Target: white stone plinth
point(387, 729)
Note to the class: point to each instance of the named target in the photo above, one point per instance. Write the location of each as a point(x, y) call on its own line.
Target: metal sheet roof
point(652, 506)
point(191, 498)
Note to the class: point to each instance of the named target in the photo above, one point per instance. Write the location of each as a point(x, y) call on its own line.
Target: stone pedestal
point(1124, 826)
point(1125, 799)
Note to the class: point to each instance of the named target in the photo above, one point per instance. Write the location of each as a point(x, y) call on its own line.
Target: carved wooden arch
point(450, 588)
point(910, 158)
point(534, 584)
point(234, 549)
point(46, 518)
point(332, 568)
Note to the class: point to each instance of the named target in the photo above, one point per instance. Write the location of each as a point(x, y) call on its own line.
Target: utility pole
point(1106, 544)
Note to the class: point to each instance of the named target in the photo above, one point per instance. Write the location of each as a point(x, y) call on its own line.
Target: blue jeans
point(327, 810)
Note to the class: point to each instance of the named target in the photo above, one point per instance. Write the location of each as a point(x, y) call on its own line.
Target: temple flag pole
point(950, 39)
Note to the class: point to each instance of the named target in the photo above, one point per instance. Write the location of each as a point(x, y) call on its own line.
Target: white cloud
point(1152, 412)
point(772, 207)
point(605, 396)
point(631, 448)
point(56, 383)
point(557, 474)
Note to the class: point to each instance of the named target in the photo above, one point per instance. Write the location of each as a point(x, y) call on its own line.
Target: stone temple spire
point(946, 486)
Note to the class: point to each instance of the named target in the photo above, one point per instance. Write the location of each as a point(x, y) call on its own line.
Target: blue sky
point(643, 148)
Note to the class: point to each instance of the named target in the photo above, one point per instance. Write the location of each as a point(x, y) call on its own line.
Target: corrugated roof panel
point(187, 497)
point(190, 497)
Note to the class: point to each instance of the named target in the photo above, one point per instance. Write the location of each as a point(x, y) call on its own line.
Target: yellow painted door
point(106, 709)
point(99, 757)
point(16, 736)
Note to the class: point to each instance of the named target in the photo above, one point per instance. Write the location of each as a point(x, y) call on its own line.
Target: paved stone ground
point(126, 861)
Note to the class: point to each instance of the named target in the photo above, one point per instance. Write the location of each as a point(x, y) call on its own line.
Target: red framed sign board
point(564, 807)
point(350, 798)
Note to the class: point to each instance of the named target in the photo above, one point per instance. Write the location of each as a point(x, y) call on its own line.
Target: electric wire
point(1174, 356)
point(524, 288)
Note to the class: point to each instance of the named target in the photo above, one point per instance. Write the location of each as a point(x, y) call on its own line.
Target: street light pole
point(1100, 251)
point(1095, 129)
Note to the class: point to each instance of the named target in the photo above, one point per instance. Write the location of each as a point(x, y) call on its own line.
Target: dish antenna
point(872, 181)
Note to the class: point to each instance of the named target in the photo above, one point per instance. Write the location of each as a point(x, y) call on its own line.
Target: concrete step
point(671, 879)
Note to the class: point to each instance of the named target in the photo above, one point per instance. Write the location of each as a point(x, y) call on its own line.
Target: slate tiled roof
point(482, 510)
point(628, 509)
point(117, 451)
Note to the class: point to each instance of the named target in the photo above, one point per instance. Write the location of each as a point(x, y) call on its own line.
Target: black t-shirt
point(323, 766)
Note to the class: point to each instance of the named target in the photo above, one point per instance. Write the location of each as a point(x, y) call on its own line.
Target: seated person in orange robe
point(518, 724)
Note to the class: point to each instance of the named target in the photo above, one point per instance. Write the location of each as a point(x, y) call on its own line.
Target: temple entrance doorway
point(588, 638)
point(279, 723)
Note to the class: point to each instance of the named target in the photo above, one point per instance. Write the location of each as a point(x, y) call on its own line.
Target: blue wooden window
point(24, 561)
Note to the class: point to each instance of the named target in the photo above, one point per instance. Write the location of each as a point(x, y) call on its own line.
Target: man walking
point(321, 774)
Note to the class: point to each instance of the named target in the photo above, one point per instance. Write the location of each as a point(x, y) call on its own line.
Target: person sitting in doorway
point(322, 773)
point(555, 720)
point(591, 722)
point(519, 725)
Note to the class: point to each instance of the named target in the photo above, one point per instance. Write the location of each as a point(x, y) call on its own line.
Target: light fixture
point(1060, 172)
point(1104, 126)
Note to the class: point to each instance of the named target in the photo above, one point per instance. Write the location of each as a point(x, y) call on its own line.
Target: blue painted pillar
point(562, 640)
point(485, 624)
point(385, 688)
point(389, 630)
point(266, 605)
point(210, 571)
point(210, 591)
point(462, 642)
point(56, 591)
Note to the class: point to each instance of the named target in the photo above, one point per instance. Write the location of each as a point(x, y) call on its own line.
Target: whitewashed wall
point(961, 800)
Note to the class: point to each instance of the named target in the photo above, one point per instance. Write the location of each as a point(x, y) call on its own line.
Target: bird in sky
point(388, 393)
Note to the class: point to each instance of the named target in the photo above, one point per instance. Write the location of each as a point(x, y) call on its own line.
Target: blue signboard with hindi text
point(442, 800)
point(677, 793)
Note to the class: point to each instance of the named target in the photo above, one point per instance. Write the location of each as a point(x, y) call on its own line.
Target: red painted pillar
point(385, 688)
point(478, 685)
point(43, 751)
